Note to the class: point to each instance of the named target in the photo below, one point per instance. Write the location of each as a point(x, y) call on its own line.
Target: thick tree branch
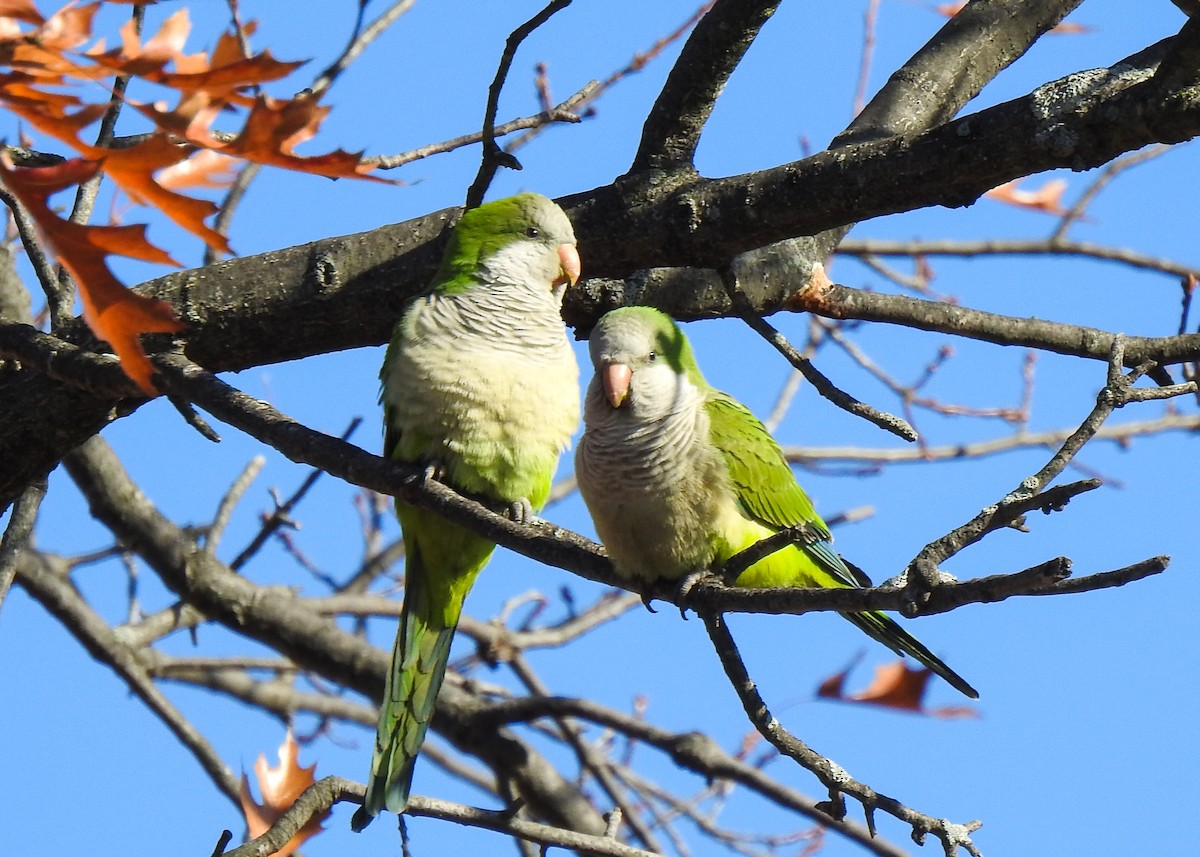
point(345, 292)
point(708, 58)
point(542, 541)
point(975, 45)
point(279, 619)
point(1077, 122)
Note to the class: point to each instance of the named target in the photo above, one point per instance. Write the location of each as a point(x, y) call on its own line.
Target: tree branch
point(708, 58)
point(831, 774)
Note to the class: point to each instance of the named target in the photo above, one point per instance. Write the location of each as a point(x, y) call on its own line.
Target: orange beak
point(615, 377)
point(568, 265)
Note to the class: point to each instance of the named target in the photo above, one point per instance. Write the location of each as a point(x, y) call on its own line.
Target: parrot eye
point(653, 356)
point(532, 232)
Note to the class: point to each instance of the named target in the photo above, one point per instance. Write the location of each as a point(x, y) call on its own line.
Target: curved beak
point(568, 265)
point(615, 377)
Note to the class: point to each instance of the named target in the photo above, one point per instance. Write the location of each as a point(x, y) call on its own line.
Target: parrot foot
point(522, 512)
point(433, 472)
point(685, 586)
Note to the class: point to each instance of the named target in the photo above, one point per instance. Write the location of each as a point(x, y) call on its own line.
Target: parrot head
point(523, 240)
point(643, 362)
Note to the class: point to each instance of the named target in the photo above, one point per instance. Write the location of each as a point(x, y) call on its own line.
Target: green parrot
point(479, 385)
point(679, 477)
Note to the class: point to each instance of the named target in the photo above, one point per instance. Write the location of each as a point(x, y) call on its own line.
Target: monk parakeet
point(479, 385)
point(679, 477)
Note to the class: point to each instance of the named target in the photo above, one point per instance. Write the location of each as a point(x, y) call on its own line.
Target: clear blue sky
point(1089, 703)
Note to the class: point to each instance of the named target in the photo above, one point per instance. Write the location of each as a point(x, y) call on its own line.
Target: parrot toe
point(521, 511)
point(435, 471)
point(685, 586)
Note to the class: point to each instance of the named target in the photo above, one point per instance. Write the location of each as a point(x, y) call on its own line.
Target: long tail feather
point(886, 631)
point(418, 667)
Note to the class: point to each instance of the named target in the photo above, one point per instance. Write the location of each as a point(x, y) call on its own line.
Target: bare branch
point(493, 156)
point(823, 385)
point(831, 775)
point(55, 592)
point(563, 112)
point(709, 56)
point(16, 534)
point(692, 751)
point(1122, 434)
point(358, 43)
point(865, 247)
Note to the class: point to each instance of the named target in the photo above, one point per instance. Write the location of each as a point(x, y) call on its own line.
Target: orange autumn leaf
point(274, 128)
point(206, 168)
point(113, 312)
point(896, 686)
point(279, 787)
point(133, 171)
point(226, 70)
point(1047, 198)
point(22, 10)
point(43, 57)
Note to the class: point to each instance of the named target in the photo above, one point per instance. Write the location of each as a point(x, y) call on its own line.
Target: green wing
point(766, 489)
point(768, 493)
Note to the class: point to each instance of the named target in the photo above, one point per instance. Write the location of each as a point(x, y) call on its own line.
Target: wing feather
point(766, 489)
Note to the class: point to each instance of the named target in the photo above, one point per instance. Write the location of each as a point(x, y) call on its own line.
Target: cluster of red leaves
point(43, 58)
point(279, 787)
point(895, 686)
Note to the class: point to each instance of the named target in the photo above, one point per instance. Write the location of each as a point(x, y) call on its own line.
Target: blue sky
point(1088, 702)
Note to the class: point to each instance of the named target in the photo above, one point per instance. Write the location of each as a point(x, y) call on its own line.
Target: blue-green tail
point(886, 631)
point(418, 666)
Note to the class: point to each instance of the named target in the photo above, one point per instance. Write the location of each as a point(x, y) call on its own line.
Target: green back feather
point(766, 489)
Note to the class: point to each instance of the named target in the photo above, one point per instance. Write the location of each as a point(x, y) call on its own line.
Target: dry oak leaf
point(273, 130)
point(206, 168)
point(41, 51)
point(227, 70)
point(114, 313)
point(132, 169)
point(895, 686)
point(279, 787)
point(1047, 198)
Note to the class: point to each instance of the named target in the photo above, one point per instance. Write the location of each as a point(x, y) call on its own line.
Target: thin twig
point(563, 112)
point(493, 156)
point(866, 247)
point(1120, 434)
point(235, 493)
point(823, 385)
point(589, 758)
point(280, 515)
point(1107, 175)
point(691, 751)
point(16, 534)
point(359, 41)
point(922, 571)
point(832, 775)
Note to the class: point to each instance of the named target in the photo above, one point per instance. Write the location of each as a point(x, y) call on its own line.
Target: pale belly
point(496, 421)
